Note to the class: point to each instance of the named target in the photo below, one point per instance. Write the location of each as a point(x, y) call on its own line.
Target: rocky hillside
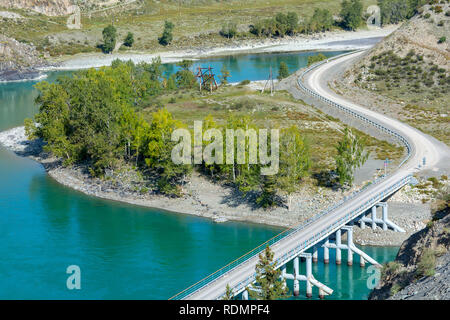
point(18, 60)
point(421, 269)
point(407, 75)
point(420, 34)
point(47, 7)
point(58, 7)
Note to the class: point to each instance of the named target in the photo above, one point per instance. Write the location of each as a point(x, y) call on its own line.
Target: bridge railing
point(288, 232)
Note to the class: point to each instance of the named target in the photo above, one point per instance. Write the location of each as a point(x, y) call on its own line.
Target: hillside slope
point(406, 75)
point(421, 269)
point(18, 60)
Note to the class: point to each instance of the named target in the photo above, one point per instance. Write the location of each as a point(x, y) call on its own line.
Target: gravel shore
point(326, 41)
point(220, 203)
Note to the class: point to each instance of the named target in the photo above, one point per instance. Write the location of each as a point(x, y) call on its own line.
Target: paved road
point(422, 146)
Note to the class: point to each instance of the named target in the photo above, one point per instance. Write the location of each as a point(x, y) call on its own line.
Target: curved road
point(423, 145)
point(326, 224)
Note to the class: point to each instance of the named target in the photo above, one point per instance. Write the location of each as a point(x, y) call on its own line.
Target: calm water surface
point(124, 251)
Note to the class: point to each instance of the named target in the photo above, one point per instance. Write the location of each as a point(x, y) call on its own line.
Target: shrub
point(109, 39)
point(427, 15)
point(442, 39)
point(283, 71)
point(244, 82)
point(316, 58)
point(129, 40)
point(167, 36)
point(229, 30)
point(427, 264)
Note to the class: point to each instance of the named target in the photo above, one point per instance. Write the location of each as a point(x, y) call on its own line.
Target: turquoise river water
point(124, 251)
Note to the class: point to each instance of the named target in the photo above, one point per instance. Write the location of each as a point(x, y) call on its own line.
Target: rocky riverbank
point(211, 200)
point(19, 61)
point(421, 270)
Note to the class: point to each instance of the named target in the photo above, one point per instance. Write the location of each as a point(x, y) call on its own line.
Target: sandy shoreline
point(327, 41)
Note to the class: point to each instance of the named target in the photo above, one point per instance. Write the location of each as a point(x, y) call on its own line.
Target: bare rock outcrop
point(18, 60)
point(47, 7)
point(421, 270)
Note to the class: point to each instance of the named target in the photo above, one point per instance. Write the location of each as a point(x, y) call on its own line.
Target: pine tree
point(283, 72)
point(268, 195)
point(167, 36)
point(269, 285)
point(129, 40)
point(229, 295)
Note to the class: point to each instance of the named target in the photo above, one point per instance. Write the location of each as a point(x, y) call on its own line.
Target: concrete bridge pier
point(296, 276)
point(384, 222)
point(308, 276)
point(338, 247)
point(315, 257)
point(326, 252)
point(374, 217)
point(245, 295)
point(362, 262)
point(349, 230)
point(384, 208)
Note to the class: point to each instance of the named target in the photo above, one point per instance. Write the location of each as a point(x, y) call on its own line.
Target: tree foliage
point(321, 20)
point(351, 14)
point(109, 39)
point(229, 295)
point(316, 58)
point(395, 11)
point(269, 285)
point(166, 37)
point(351, 155)
point(229, 30)
point(283, 71)
point(280, 25)
point(129, 40)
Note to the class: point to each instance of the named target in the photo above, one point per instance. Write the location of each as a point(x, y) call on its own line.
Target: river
point(125, 251)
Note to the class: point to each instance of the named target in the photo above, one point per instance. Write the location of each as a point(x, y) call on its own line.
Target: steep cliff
point(18, 60)
point(421, 270)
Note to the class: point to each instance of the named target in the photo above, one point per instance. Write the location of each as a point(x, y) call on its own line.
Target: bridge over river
point(326, 228)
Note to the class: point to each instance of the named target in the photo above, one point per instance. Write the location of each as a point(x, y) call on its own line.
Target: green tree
point(269, 285)
point(283, 71)
point(268, 194)
point(229, 295)
point(292, 23)
point(185, 79)
point(229, 30)
point(109, 39)
point(185, 64)
point(351, 154)
point(321, 20)
point(166, 37)
point(129, 40)
point(159, 153)
point(351, 14)
point(295, 161)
